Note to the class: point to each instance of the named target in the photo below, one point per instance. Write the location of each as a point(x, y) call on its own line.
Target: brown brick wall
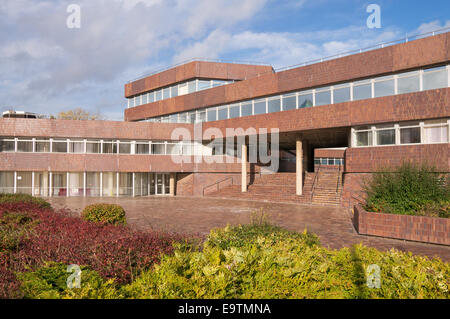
point(195, 69)
point(415, 228)
point(423, 52)
point(329, 153)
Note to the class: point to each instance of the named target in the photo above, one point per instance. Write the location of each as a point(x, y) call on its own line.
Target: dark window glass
point(274, 105)
point(341, 95)
point(246, 109)
point(323, 97)
point(410, 135)
point(305, 100)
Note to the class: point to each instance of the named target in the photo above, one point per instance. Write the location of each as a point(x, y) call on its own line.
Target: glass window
point(144, 98)
point(142, 148)
point(436, 132)
point(218, 83)
point(131, 102)
point(323, 97)
point(158, 95)
point(289, 102)
point(203, 84)
point(435, 78)
point(362, 90)
point(109, 147)
point(364, 138)
point(59, 146)
point(385, 136)
point(234, 111)
point(151, 97)
point(246, 109)
point(192, 86)
point(158, 149)
point(223, 113)
point(76, 146)
point(201, 116)
point(341, 94)
point(260, 107)
point(331, 161)
point(192, 116)
point(24, 145)
point(7, 145)
point(166, 93)
point(124, 147)
point(274, 104)
point(173, 118)
point(183, 89)
point(174, 91)
point(305, 100)
point(125, 184)
point(92, 147)
point(410, 135)
point(6, 182)
point(384, 86)
point(173, 148)
point(43, 145)
point(92, 184)
point(182, 118)
point(408, 82)
point(212, 114)
point(323, 161)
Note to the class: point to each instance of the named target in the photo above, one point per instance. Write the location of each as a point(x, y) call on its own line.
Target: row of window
point(84, 183)
point(50, 145)
point(428, 132)
point(328, 161)
point(174, 90)
point(420, 80)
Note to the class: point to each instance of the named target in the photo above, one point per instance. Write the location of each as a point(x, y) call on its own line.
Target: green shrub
point(288, 268)
point(50, 282)
point(408, 189)
point(14, 228)
point(23, 198)
point(104, 213)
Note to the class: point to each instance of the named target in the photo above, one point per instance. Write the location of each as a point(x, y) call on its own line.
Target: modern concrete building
point(333, 122)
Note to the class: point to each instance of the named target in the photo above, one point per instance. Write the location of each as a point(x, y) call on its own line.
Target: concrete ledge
point(415, 228)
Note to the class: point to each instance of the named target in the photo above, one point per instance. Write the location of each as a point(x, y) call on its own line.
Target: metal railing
point(315, 181)
point(217, 184)
point(327, 58)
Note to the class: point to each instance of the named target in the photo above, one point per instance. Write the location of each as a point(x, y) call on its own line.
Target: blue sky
point(47, 68)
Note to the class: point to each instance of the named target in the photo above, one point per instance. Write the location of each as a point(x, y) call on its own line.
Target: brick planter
point(416, 228)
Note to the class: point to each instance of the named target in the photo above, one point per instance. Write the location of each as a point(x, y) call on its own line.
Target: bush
point(264, 268)
point(409, 189)
point(50, 282)
point(14, 229)
point(23, 199)
point(105, 214)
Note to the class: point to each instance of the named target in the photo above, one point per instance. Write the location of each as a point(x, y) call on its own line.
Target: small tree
point(78, 114)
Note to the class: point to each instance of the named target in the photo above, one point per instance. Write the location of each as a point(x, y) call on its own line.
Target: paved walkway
point(199, 215)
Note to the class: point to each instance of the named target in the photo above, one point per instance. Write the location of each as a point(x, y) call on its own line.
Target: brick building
point(194, 130)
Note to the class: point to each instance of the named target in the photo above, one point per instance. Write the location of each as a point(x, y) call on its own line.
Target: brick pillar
point(244, 168)
point(172, 184)
point(299, 167)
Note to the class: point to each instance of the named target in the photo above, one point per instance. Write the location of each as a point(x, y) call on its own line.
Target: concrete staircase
point(280, 187)
point(327, 188)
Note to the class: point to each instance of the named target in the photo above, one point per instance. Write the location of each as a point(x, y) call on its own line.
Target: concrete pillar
point(244, 168)
point(299, 167)
point(172, 184)
point(45, 184)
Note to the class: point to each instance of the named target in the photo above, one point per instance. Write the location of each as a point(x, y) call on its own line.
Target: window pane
point(323, 97)
point(192, 86)
point(124, 148)
point(142, 148)
point(386, 137)
point(384, 88)
point(183, 89)
point(289, 102)
point(173, 149)
point(24, 181)
point(341, 95)
point(174, 91)
point(234, 111)
point(109, 147)
point(144, 98)
point(201, 116)
point(43, 146)
point(408, 84)
point(7, 146)
point(436, 134)
point(6, 182)
point(173, 118)
point(274, 105)
point(59, 146)
point(24, 146)
point(131, 101)
point(410, 135)
point(363, 138)
point(166, 93)
point(76, 146)
point(158, 149)
point(246, 109)
point(260, 107)
point(223, 113)
point(305, 100)
point(92, 147)
point(151, 97)
point(361, 92)
point(182, 118)
point(212, 114)
point(435, 78)
point(202, 85)
point(158, 95)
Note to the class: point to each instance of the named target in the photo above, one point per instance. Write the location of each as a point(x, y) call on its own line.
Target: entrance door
point(159, 184)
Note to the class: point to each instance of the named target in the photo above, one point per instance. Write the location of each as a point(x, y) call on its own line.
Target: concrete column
point(299, 167)
point(172, 184)
point(45, 184)
point(244, 168)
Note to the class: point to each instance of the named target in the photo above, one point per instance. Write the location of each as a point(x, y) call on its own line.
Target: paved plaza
point(194, 215)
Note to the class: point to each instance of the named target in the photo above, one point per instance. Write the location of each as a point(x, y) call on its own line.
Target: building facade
point(216, 129)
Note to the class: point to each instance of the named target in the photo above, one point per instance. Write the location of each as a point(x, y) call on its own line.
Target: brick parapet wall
point(415, 228)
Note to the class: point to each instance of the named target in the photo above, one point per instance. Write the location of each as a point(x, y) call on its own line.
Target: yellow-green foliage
point(104, 213)
point(281, 266)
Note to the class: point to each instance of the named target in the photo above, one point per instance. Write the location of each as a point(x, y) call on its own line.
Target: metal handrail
point(316, 177)
point(217, 183)
point(327, 58)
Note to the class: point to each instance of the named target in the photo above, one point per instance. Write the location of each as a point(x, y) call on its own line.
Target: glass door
point(159, 180)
